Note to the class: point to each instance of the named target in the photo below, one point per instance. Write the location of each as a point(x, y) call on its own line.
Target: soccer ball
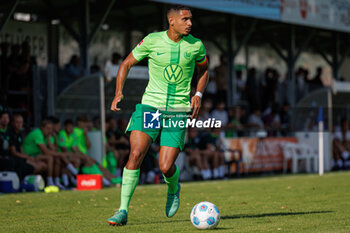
point(205, 215)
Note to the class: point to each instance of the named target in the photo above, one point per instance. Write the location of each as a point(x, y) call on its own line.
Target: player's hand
point(115, 102)
point(195, 106)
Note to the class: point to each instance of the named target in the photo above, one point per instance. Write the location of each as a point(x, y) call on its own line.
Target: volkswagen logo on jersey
point(173, 73)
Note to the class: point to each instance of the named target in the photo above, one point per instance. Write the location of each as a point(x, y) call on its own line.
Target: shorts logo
point(173, 73)
point(187, 55)
point(151, 120)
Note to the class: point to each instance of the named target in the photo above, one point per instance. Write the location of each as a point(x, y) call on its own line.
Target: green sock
point(91, 170)
point(172, 181)
point(129, 183)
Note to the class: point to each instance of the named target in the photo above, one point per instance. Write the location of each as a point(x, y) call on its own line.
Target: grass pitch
point(292, 203)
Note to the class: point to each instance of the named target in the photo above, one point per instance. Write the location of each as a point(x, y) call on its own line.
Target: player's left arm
point(203, 78)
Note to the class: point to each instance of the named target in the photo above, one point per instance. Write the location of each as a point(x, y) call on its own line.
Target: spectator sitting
point(194, 154)
point(204, 113)
point(316, 82)
point(272, 120)
point(8, 162)
point(220, 113)
point(5, 133)
point(341, 145)
point(234, 125)
point(40, 165)
point(208, 146)
point(285, 118)
point(117, 139)
point(97, 123)
point(35, 144)
point(111, 67)
point(255, 122)
point(83, 144)
point(73, 68)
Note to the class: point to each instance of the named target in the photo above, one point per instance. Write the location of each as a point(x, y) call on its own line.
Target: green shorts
point(166, 124)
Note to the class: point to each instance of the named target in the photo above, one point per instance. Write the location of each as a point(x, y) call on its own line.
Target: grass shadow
point(274, 214)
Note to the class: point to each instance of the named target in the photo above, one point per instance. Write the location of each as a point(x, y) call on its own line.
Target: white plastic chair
point(311, 154)
point(293, 151)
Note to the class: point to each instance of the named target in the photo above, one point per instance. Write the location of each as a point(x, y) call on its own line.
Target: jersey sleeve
point(61, 140)
point(142, 49)
point(39, 139)
point(201, 55)
point(74, 140)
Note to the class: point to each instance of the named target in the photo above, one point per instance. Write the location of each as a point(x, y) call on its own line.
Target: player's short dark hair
point(82, 118)
point(53, 119)
point(68, 122)
point(16, 115)
point(45, 122)
point(3, 113)
point(177, 8)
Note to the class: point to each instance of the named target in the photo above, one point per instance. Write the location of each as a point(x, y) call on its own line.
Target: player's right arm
point(121, 77)
point(138, 53)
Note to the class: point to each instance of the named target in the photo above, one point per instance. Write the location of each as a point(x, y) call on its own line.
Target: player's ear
point(171, 20)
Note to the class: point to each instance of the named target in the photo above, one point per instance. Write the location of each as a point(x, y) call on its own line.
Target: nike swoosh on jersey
point(160, 54)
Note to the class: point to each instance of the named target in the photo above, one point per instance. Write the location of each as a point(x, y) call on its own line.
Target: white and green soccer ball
point(205, 215)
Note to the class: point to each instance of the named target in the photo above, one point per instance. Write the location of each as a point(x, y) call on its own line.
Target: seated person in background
point(111, 67)
point(341, 145)
point(194, 154)
point(111, 157)
point(117, 139)
point(209, 145)
point(220, 113)
point(73, 69)
point(83, 144)
point(149, 168)
point(36, 144)
point(42, 164)
point(8, 162)
point(234, 126)
point(52, 142)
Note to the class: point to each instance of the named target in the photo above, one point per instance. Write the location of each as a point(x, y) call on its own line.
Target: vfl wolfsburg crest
point(173, 73)
point(187, 55)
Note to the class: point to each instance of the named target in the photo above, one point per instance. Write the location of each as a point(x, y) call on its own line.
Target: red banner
point(89, 182)
point(260, 155)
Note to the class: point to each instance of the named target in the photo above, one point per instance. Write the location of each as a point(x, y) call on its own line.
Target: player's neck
point(173, 35)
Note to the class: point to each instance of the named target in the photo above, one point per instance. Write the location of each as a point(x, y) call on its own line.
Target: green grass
point(292, 203)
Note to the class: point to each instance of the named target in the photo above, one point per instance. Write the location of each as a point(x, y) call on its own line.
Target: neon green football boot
point(172, 203)
point(119, 218)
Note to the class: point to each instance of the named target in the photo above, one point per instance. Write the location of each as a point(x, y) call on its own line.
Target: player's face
point(69, 128)
point(18, 123)
point(183, 22)
point(57, 127)
point(5, 119)
point(47, 130)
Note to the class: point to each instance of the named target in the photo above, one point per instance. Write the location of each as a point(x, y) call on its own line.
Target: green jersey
point(32, 141)
point(81, 143)
point(67, 141)
point(171, 65)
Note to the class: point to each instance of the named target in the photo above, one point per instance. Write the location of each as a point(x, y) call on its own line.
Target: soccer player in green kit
point(172, 58)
